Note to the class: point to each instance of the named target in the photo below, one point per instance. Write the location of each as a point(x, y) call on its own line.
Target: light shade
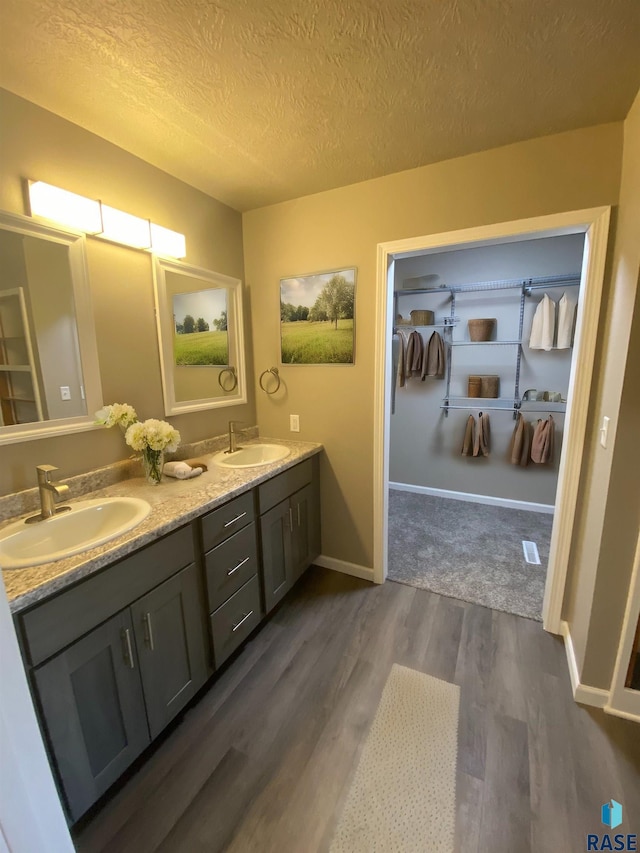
point(167, 242)
point(65, 207)
point(121, 227)
point(100, 220)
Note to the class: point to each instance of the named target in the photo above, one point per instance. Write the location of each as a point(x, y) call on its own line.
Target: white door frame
point(594, 224)
point(624, 702)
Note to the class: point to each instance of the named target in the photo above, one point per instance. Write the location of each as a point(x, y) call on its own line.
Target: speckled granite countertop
point(173, 504)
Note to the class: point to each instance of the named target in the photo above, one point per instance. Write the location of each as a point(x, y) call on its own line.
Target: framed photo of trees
point(317, 318)
point(200, 328)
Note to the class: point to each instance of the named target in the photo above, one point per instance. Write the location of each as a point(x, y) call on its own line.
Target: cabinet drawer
point(57, 623)
point(235, 620)
point(230, 565)
point(285, 484)
point(227, 519)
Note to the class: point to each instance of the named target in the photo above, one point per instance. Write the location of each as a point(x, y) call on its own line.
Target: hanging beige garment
point(469, 437)
point(433, 362)
point(543, 325)
point(566, 315)
point(483, 436)
point(520, 441)
point(402, 360)
point(413, 355)
point(542, 443)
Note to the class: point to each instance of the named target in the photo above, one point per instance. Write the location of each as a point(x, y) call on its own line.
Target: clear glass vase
point(152, 464)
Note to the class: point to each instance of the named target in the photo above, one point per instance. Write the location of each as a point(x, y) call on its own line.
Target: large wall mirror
point(49, 374)
point(200, 335)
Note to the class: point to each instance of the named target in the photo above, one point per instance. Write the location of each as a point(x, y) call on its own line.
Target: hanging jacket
point(482, 443)
point(433, 363)
point(469, 437)
point(542, 443)
point(520, 442)
point(566, 315)
point(544, 325)
point(413, 355)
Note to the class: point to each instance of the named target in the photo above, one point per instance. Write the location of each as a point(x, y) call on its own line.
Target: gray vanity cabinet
point(289, 528)
point(93, 709)
point(167, 623)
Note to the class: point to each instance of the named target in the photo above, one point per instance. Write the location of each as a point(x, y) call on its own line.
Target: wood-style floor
point(264, 760)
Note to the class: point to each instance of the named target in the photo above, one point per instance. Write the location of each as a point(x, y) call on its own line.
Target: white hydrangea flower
point(152, 433)
point(119, 413)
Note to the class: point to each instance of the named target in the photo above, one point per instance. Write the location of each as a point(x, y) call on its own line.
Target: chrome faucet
point(49, 494)
point(232, 437)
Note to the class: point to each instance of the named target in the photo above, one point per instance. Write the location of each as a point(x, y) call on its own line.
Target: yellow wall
point(342, 228)
point(39, 144)
point(603, 555)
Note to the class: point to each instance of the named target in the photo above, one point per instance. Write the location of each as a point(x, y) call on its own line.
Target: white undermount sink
point(251, 456)
point(86, 525)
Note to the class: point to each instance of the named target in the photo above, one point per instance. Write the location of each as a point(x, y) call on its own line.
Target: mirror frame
point(76, 244)
point(164, 312)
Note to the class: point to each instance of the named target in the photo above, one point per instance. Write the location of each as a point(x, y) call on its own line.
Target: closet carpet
point(468, 551)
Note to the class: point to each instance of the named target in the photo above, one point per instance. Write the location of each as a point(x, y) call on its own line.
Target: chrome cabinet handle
point(299, 522)
point(290, 519)
point(239, 566)
point(237, 518)
point(148, 631)
point(244, 619)
point(127, 651)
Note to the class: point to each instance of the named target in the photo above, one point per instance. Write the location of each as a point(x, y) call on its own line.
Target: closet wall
point(425, 445)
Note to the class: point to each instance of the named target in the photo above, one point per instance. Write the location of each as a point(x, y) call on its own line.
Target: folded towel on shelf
point(469, 436)
point(542, 443)
point(181, 470)
point(544, 325)
point(520, 442)
point(433, 362)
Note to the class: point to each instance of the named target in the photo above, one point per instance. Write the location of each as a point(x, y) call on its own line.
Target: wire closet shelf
point(526, 286)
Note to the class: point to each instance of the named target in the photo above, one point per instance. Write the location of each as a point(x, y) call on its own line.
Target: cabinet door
point(306, 529)
point(276, 526)
point(91, 698)
point(170, 638)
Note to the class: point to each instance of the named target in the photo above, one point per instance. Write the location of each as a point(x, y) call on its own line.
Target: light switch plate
point(65, 392)
point(604, 431)
point(294, 423)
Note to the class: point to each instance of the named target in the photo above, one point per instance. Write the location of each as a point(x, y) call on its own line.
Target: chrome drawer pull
point(299, 515)
point(127, 651)
point(148, 631)
point(239, 566)
point(237, 518)
point(244, 619)
point(290, 519)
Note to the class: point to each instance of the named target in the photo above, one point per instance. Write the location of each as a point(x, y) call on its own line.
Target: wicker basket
point(490, 386)
point(481, 330)
point(475, 386)
point(422, 318)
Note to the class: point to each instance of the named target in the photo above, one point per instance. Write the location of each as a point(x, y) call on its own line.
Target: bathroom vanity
point(122, 639)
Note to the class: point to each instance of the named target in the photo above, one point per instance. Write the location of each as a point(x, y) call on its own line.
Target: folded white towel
point(180, 470)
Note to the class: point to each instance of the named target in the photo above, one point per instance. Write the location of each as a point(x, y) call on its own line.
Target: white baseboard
point(626, 715)
point(490, 500)
point(344, 567)
point(582, 693)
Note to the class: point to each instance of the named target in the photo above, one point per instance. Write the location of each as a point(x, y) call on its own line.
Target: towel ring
point(234, 379)
point(274, 372)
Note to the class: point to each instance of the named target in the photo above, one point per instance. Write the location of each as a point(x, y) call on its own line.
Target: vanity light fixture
point(99, 220)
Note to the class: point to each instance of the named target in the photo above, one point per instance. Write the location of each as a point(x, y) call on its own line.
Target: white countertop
point(173, 504)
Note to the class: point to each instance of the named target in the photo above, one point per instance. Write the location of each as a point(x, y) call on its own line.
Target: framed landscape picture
point(317, 318)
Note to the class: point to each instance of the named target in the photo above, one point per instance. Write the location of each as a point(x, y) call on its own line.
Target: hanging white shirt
point(544, 325)
point(566, 313)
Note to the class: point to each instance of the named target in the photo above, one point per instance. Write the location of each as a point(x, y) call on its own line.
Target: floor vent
point(531, 552)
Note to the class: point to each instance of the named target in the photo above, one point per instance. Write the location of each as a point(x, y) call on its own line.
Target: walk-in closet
point(482, 354)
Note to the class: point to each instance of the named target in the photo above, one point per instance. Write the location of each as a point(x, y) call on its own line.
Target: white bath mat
point(402, 797)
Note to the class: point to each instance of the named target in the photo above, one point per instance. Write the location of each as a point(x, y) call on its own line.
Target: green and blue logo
point(611, 816)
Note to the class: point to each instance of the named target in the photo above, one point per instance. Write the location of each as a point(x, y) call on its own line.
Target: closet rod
point(485, 408)
point(503, 284)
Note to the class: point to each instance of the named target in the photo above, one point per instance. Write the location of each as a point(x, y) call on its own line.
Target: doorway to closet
point(477, 417)
point(593, 224)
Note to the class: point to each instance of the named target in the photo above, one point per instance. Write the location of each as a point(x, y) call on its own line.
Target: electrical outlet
point(65, 392)
point(294, 423)
point(604, 431)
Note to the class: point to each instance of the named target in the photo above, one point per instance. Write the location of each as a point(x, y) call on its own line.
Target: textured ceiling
point(255, 101)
